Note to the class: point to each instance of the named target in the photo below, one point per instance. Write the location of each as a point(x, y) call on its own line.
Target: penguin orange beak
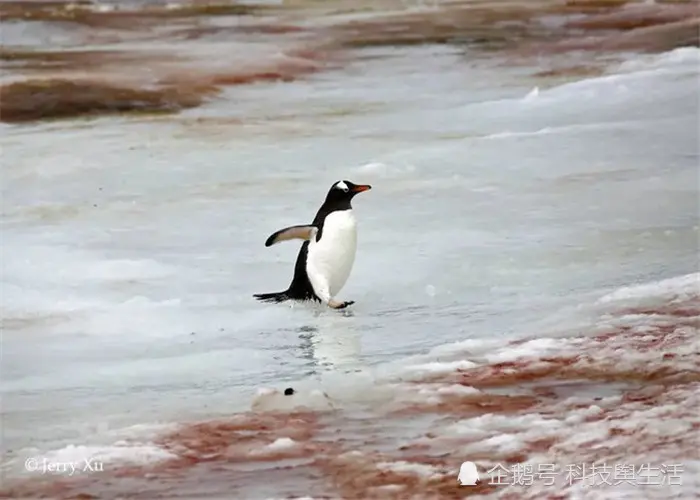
point(361, 187)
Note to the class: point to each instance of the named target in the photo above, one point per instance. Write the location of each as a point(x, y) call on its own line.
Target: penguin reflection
point(331, 344)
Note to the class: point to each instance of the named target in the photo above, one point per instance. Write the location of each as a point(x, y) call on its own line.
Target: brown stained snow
point(76, 59)
point(37, 98)
point(627, 395)
point(55, 98)
point(515, 30)
point(513, 25)
point(92, 14)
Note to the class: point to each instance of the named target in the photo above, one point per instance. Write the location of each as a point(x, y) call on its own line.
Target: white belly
point(330, 260)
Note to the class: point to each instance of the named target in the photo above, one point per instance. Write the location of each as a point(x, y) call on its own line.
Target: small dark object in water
point(288, 391)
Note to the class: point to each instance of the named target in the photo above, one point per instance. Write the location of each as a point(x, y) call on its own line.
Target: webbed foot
point(340, 305)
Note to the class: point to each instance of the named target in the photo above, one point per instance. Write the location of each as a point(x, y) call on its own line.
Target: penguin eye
point(342, 186)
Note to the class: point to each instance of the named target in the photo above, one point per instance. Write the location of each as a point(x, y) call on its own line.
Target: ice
point(464, 390)
point(679, 288)
point(87, 459)
point(578, 416)
point(268, 399)
point(682, 56)
point(476, 346)
point(281, 444)
point(422, 470)
point(504, 423)
point(438, 367)
point(532, 348)
point(131, 248)
point(532, 94)
point(501, 443)
point(391, 488)
point(108, 454)
point(278, 445)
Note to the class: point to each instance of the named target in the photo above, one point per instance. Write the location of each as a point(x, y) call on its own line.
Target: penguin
point(327, 255)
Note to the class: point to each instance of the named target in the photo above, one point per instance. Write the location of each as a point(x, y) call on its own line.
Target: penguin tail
point(275, 297)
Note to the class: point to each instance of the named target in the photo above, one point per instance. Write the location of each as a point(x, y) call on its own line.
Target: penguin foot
point(340, 305)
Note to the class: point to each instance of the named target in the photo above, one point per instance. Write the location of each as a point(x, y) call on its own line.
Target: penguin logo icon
point(468, 475)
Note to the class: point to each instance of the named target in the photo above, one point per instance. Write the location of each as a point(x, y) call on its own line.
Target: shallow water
point(132, 247)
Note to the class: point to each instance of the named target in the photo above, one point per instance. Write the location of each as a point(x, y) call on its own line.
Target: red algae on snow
point(42, 98)
point(288, 66)
point(311, 39)
point(545, 412)
point(55, 98)
point(94, 14)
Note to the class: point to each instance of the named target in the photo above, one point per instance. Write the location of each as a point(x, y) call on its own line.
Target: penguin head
point(345, 190)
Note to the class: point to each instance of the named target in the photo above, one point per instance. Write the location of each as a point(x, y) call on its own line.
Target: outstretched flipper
point(304, 232)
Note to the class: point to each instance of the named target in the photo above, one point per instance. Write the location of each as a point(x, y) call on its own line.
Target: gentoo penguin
point(328, 252)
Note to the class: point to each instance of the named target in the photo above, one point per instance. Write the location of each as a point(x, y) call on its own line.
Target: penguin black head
point(344, 191)
point(288, 391)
